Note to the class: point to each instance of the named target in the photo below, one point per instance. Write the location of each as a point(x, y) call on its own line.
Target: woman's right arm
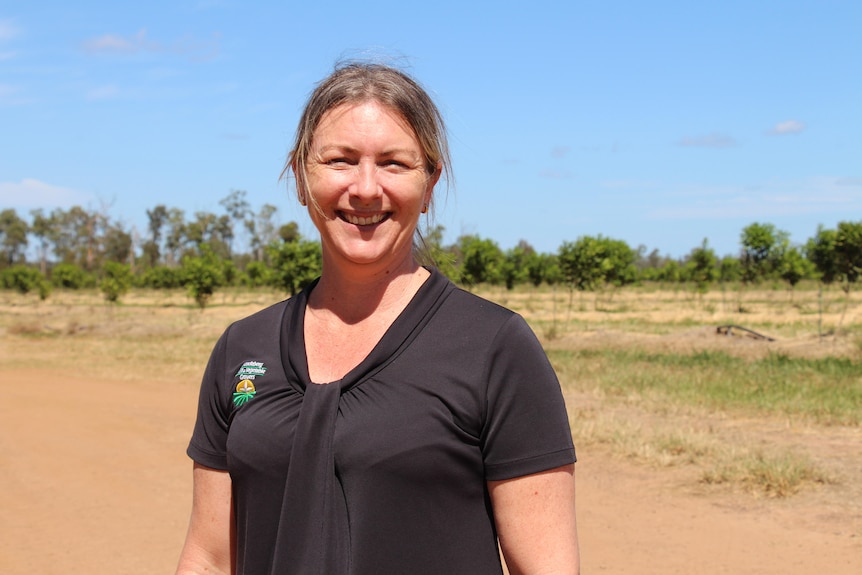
point(210, 542)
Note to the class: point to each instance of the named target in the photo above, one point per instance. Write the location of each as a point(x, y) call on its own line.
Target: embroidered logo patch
point(245, 389)
point(244, 392)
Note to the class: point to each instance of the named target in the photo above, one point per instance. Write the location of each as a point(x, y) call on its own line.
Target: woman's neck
point(354, 297)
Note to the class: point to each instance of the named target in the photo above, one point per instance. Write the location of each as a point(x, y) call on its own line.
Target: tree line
point(80, 248)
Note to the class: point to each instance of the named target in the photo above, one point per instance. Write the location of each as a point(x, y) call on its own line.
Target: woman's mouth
point(363, 220)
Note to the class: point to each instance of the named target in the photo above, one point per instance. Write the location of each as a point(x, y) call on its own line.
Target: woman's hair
point(356, 83)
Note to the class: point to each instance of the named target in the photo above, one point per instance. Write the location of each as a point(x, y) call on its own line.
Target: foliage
point(590, 262)
point(794, 267)
point(257, 274)
point(516, 264)
point(25, 279)
point(294, 264)
point(430, 251)
point(848, 252)
point(202, 275)
point(70, 276)
point(162, 277)
point(481, 261)
point(702, 267)
point(116, 281)
point(763, 247)
point(13, 237)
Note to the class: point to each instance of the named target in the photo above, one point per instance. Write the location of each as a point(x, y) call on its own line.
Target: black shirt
point(385, 470)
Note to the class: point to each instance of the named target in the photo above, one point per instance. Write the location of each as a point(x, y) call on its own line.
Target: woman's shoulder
point(261, 320)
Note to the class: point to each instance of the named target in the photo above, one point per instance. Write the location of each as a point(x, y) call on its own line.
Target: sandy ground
point(95, 480)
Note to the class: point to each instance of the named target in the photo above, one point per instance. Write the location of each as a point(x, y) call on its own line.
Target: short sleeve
point(208, 445)
point(526, 426)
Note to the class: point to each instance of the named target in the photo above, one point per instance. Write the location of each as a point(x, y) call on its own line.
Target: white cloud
point(770, 199)
point(559, 152)
point(7, 30)
point(139, 42)
point(714, 140)
point(556, 174)
point(106, 92)
point(115, 43)
point(787, 127)
point(30, 193)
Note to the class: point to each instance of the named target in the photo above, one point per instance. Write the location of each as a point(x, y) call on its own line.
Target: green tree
point(516, 264)
point(202, 275)
point(295, 264)
point(156, 219)
point(116, 280)
point(820, 251)
point(24, 279)
point(13, 237)
point(702, 266)
point(262, 230)
point(763, 247)
point(848, 252)
point(481, 261)
point(729, 269)
point(432, 252)
point(40, 227)
point(794, 267)
point(238, 210)
point(593, 262)
point(69, 276)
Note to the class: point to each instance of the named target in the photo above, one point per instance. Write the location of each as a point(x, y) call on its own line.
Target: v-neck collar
point(397, 337)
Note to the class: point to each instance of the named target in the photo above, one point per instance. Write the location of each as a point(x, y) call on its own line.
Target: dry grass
point(161, 336)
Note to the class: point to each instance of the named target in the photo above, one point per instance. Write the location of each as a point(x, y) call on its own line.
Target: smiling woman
point(383, 420)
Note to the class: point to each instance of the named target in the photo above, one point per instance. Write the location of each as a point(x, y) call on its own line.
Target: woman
point(382, 421)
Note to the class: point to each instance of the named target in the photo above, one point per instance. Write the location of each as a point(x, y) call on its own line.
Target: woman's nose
point(367, 184)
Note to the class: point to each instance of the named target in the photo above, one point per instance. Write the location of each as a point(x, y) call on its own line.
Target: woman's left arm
point(536, 525)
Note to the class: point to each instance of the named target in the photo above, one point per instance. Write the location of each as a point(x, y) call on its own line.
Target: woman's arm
point(210, 542)
point(536, 525)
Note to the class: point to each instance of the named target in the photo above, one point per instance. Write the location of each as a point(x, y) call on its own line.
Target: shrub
point(70, 276)
point(25, 279)
point(116, 281)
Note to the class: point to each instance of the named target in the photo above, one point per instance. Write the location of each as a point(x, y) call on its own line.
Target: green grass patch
point(826, 390)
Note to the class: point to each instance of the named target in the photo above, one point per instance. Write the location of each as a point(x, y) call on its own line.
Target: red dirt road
point(95, 480)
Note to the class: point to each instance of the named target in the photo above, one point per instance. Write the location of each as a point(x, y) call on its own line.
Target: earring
point(424, 208)
point(301, 199)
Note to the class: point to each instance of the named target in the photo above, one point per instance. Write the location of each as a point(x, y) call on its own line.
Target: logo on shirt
point(245, 389)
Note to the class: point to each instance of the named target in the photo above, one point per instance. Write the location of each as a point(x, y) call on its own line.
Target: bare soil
point(98, 406)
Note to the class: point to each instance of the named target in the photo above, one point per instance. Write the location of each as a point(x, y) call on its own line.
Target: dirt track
point(95, 480)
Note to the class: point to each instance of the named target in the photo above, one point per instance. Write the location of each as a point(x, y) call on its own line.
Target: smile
point(363, 221)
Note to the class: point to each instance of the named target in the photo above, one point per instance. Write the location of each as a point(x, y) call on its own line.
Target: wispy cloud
point(787, 127)
point(551, 174)
point(714, 140)
point(106, 92)
point(8, 30)
point(559, 152)
point(771, 199)
point(30, 193)
point(198, 50)
point(9, 95)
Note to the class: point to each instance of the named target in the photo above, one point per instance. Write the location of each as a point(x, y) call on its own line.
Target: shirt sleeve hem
point(521, 467)
point(207, 459)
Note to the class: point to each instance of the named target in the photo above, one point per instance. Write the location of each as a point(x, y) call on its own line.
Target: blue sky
point(660, 123)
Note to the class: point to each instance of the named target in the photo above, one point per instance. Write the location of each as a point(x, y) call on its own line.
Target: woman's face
point(368, 183)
